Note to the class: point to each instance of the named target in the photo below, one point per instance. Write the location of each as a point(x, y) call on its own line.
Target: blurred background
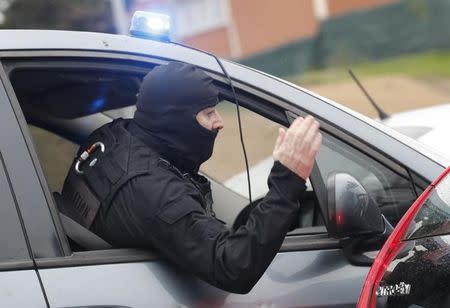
point(400, 49)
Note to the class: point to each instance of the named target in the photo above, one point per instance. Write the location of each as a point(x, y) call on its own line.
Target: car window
point(227, 164)
point(392, 192)
point(12, 241)
point(433, 218)
point(55, 155)
point(226, 167)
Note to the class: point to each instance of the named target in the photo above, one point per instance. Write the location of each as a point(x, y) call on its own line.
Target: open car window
point(64, 105)
point(227, 165)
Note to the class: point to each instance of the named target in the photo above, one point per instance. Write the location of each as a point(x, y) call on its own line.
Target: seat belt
point(77, 233)
point(82, 236)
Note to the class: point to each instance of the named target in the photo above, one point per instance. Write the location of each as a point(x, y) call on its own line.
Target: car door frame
point(20, 280)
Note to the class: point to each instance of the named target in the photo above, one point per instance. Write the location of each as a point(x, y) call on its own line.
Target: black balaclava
point(169, 99)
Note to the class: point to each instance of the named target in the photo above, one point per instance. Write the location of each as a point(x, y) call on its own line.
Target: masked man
point(145, 191)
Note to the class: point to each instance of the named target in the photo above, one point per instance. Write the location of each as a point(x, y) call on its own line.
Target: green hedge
point(404, 27)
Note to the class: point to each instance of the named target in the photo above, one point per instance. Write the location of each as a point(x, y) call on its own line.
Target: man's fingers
point(311, 133)
point(297, 122)
point(280, 138)
point(315, 146)
point(289, 139)
point(300, 131)
point(297, 146)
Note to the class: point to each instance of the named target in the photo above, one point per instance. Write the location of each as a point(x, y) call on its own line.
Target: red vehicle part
point(367, 298)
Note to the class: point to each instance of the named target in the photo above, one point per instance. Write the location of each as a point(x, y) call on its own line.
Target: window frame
point(246, 95)
point(9, 168)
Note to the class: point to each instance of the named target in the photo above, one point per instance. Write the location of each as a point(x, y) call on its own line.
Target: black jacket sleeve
point(232, 260)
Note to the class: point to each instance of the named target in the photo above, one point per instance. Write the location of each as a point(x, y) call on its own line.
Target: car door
point(115, 278)
point(20, 283)
point(311, 270)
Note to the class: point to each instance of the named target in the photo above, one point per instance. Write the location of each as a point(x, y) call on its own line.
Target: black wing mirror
point(351, 211)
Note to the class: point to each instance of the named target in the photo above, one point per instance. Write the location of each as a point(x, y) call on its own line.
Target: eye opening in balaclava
point(169, 99)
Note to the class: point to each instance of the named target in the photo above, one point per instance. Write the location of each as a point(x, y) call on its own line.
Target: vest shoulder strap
point(124, 158)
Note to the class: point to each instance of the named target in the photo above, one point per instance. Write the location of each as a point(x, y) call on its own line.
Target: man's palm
point(297, 147)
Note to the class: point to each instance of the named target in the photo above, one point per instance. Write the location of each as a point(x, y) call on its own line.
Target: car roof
point(62, 39)
point(16, 40)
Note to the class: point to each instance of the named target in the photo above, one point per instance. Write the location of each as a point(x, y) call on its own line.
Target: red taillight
point(367, 298)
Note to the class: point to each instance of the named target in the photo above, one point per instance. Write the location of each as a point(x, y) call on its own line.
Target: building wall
point(265, 24)
point(340, 7)
point(215, 41)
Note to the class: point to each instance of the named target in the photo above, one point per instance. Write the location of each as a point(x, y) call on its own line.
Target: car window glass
point(12, 241)
point(392, 192)
point(55, 155)
point(433, 217)
point(227, 165)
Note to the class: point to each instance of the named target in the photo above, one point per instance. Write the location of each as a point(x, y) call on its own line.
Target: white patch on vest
point(398, 289)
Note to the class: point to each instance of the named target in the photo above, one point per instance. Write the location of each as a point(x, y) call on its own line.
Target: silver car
point(57, 87)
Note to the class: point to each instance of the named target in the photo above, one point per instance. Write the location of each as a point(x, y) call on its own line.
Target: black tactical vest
point(89, 191)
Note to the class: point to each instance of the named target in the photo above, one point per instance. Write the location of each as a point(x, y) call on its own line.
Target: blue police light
point(150, 25)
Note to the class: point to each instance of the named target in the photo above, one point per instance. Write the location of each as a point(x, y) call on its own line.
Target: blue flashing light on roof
point(150, 25)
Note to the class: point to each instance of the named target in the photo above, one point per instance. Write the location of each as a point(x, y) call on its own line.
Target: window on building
point(192, 17)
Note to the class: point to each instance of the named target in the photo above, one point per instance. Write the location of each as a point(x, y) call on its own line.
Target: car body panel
point(293, 279)
point(20, 289)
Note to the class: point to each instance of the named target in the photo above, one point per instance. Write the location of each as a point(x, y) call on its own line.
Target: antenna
point(381, 114)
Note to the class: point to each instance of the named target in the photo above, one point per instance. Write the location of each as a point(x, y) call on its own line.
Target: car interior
point(63, 104)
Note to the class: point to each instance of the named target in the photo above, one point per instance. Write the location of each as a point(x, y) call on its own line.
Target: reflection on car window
point(433, 217)
point(393, 193)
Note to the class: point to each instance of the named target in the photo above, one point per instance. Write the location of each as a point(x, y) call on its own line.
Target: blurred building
point(243, 28)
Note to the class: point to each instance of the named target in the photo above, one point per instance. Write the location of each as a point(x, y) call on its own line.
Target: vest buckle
point(86, 154)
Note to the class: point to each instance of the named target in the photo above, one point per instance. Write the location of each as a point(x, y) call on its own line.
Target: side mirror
point(351, 211)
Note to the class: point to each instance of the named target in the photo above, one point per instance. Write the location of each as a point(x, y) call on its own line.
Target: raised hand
point(297, 147)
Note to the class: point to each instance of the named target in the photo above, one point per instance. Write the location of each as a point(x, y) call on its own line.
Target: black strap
point(76, 232)
point(78, 201)
point(320, 190)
